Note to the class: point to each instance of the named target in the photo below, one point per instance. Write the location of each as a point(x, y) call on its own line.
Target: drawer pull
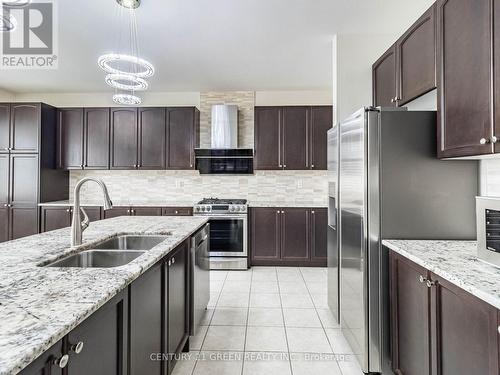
point(78, 347)
point(62, 362)
point(422, 279)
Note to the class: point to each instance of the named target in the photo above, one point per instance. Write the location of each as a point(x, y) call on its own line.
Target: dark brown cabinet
point(25, 127)
point(55, 217)
point(437, 327)
point(146, 307)
point(286, 236)
point(96, 133)
point(292, 138)
point(124, 138)
point(407, 69)
point(319, 234)
point(321, 122)
point(132, 211)
point(70, 138)
point(104, 338)
point(177, 296)
point(384, 79)
point(152, 138)
point(177, 211)
point(183, 126)
point(465, 103)
point(4, 127)
point(410, 328)
point(44, 365)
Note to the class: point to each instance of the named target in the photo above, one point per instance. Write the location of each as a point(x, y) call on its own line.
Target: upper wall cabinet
point(124, 138)
point(407, 69)
point(19, 127)
point(465, 102)
point(183, 136)
point(70, 138)
point(292, 138)
point(152, 138)
point(96, 138)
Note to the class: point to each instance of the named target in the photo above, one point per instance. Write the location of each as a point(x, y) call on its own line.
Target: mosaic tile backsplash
point(189, 186)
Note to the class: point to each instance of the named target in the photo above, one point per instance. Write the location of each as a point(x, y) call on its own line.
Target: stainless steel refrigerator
point(385, 182)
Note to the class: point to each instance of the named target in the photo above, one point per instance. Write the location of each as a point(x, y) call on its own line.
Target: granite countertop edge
point(34, 321)
point(456, 262)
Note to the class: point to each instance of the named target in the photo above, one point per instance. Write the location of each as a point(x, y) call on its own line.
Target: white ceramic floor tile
point(219, 363)
point(320, 300)
point(301, 318)
point(290, 277)
point(224, 338)
point(338, 342)
point(265, 300)
point(233, 300)
point(314, 364)
point(316, 287)
point(299, 301)
point(207, 316)
point(214, 297)
point(230, 316)
point(237, 286)
point(266, 339)
point(239, 275)
point(264, 276)
point(349, 365)
point(185, 364)
point(218, 275)
point(265, 317)
point(196, 341)
point(307, 340)
point(266, 363)
point(216, 285)
point(327, 318)
point(264, 287)
point(289, 287)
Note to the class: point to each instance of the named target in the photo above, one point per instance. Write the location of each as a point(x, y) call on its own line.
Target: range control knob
point(243, 208)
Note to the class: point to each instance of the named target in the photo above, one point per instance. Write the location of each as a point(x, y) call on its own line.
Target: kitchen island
point(39, 305)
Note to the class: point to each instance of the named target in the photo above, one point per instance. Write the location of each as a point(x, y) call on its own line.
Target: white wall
point(6, 96)
point(263, 98)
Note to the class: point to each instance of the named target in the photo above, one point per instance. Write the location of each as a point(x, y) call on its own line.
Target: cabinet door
point(295, 138)
point(319, 226)
point(94, 213)
point(23, 222)
point(4, 127)
point(416, 51)
point(70, 138)
point(464, 329)
point(268, 138)
point(4, 224)
point(321, 122)
point(4, 179)
point(146, 211)
point(152, 138)
point(96, 137)
point(24, 179)
point(464, 77)
point(409, 301)
point(55, 218)
point(44, 364)
point(180, 138)
point(265, 234)
point(146, 305)
point(123, 138)
point(25, 126)
point(295, 231)
point(384, 79)
point(177, 211)
point(104, 337)
point(116, 211)
point(177, 300)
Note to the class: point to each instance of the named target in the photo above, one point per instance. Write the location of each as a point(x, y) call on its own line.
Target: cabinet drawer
point(177, 211)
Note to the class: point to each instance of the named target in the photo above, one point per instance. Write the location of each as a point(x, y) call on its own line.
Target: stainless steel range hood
point(224, 126)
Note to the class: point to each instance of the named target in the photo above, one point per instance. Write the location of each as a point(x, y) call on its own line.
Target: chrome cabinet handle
point(176, 212)
point(284, 165)
point(392, 100)
point(422, 279)
point(282, 212)
point(312, 165)
point(278, 211)
point(173, 260)
point(430, 283)
point(169, 263)
point(494, 139)
point(128, 211)
point(62, 362)
point(77, 348)
point(498, 329)
point(6, 205)
point(484, 141)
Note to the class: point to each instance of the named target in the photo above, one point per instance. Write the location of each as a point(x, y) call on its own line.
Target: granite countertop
point(456, 262)
point(126, 203)
point(40, 305)
point(185, 203)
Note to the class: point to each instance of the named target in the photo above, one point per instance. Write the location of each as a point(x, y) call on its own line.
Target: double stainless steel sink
point(113, 252)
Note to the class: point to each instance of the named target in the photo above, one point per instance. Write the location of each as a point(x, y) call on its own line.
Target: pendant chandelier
point(126, 71)
point(7, 21)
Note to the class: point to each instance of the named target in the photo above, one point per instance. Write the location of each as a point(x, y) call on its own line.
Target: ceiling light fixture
point(136, 66)
point(126, 70)
point(7, 22)
point(127, 82)
point(126, 99)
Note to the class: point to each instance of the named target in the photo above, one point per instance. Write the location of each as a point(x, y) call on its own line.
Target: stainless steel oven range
point(228, 232)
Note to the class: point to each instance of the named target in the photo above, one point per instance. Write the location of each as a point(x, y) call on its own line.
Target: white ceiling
point(199, 45)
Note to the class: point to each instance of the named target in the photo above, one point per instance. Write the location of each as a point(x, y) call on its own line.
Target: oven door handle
point(226, 217)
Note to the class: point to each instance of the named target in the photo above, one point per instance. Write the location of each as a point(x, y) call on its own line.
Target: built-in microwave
point(488, 229)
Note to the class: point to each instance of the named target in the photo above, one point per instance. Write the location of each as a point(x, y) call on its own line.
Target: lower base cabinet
point(437, 327)
point(53, 217)
point(288, 236)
